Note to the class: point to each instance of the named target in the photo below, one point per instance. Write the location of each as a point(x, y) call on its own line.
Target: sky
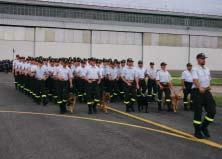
point(208, 7)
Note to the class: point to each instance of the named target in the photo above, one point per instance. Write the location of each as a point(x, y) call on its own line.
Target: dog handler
point(202, 97)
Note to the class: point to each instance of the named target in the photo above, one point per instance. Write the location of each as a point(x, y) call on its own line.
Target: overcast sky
point(211, 7)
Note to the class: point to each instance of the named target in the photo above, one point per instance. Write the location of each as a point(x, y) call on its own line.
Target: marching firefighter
point(202, 97)
point(152, 86)
point(130, 79)
point(164, 82)
point(40, 88)
point(141, 92)
point(93, 79)
point(64, 82)
point(187, 82)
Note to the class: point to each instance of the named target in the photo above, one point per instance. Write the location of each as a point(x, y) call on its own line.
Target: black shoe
point(90, 109)
point(205, 132)
point(132, 108)
point(146, 108)
point(127, 108)
point(94, 109)
point(199, 135)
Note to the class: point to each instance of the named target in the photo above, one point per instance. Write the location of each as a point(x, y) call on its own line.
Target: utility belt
point(165, 84)
point(206, 89)
point(94, 80)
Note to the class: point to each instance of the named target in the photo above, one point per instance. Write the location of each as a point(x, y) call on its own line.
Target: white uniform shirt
point(129, 73)
point(202, 74)
point(113, 73)
point(141, 72)
point(187, 76)
point(106, 71)
point(40, 72)
point(93, 72)
point(82, 72)
point(63, 73)
point(152, 72)
point(163, 76)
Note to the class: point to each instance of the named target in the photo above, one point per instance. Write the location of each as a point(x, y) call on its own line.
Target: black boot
point(127, 108)
point(61, 108)
point(44, 101)
point(198, 134)
point(204, 128)
point(94, 108)
point(90, 109)
point(146, 108)
point(159, 106)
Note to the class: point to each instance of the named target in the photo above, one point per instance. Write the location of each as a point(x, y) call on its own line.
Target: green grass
point(218, 99)
point(214, 81)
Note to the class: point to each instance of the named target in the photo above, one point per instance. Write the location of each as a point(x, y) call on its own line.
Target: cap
point(140, 62)
point(123, 61)
point(163, 64)
point(152, 63)
point(189, 64)
point(201, 56)
point(130, 60)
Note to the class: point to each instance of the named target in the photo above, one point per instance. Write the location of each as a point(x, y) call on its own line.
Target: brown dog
point(104, 102)
point(176, 96)
point(71, 103)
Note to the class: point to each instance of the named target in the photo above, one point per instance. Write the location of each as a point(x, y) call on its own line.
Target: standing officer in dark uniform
point(164, 82)
point(152, 86)
point(202, 97)
point(93, 78)
point(187, 82)
point(130, 79)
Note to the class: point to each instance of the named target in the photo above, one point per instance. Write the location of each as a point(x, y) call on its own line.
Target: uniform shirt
point(129, 73)
point(141, 72)
point(83, 71)
point(187, 76)
point(33, 68)
point(113, 73)
point(202, 74)
point(106, 70)
point(152, 72)
point(93, 72)
point(63, 73)
point(121, 70)
point(163, 76)
point(40, 72)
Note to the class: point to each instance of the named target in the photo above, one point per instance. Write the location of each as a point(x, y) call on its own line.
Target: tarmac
point(30, 131)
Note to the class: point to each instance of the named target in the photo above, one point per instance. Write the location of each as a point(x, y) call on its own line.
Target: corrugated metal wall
point(157, 47)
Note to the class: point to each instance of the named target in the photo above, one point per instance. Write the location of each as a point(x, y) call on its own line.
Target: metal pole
point(90, 43)
point(34, 42)
point(189, 49)
point(142, 46)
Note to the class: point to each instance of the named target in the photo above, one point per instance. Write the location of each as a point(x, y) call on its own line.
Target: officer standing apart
point(202, 97)
point(164, 82)
point(187, 82)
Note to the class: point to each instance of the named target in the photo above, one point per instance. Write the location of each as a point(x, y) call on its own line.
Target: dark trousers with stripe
point(63, 94)
point(203, 100)
point(187, 92)
point(167, 92)
point(152, 88)
point(40, 91)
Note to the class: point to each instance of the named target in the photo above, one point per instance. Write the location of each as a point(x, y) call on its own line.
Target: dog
point(71, 103)
point(104, 101)
point(176, 96)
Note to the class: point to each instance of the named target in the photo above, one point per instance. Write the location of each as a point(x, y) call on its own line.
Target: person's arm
point(196, 81)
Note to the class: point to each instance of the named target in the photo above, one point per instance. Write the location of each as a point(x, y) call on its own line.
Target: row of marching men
point(52, 79)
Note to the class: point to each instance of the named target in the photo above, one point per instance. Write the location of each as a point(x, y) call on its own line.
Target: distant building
point(63, 28)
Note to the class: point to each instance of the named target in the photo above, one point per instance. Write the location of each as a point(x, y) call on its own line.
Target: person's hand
point(202, 90)
point(129, 84)
point(89, 81)
point(161, 87)
point(137, 86)
point(71, 86)
point(98, 82)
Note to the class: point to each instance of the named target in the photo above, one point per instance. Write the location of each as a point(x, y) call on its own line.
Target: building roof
point(199, 7)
